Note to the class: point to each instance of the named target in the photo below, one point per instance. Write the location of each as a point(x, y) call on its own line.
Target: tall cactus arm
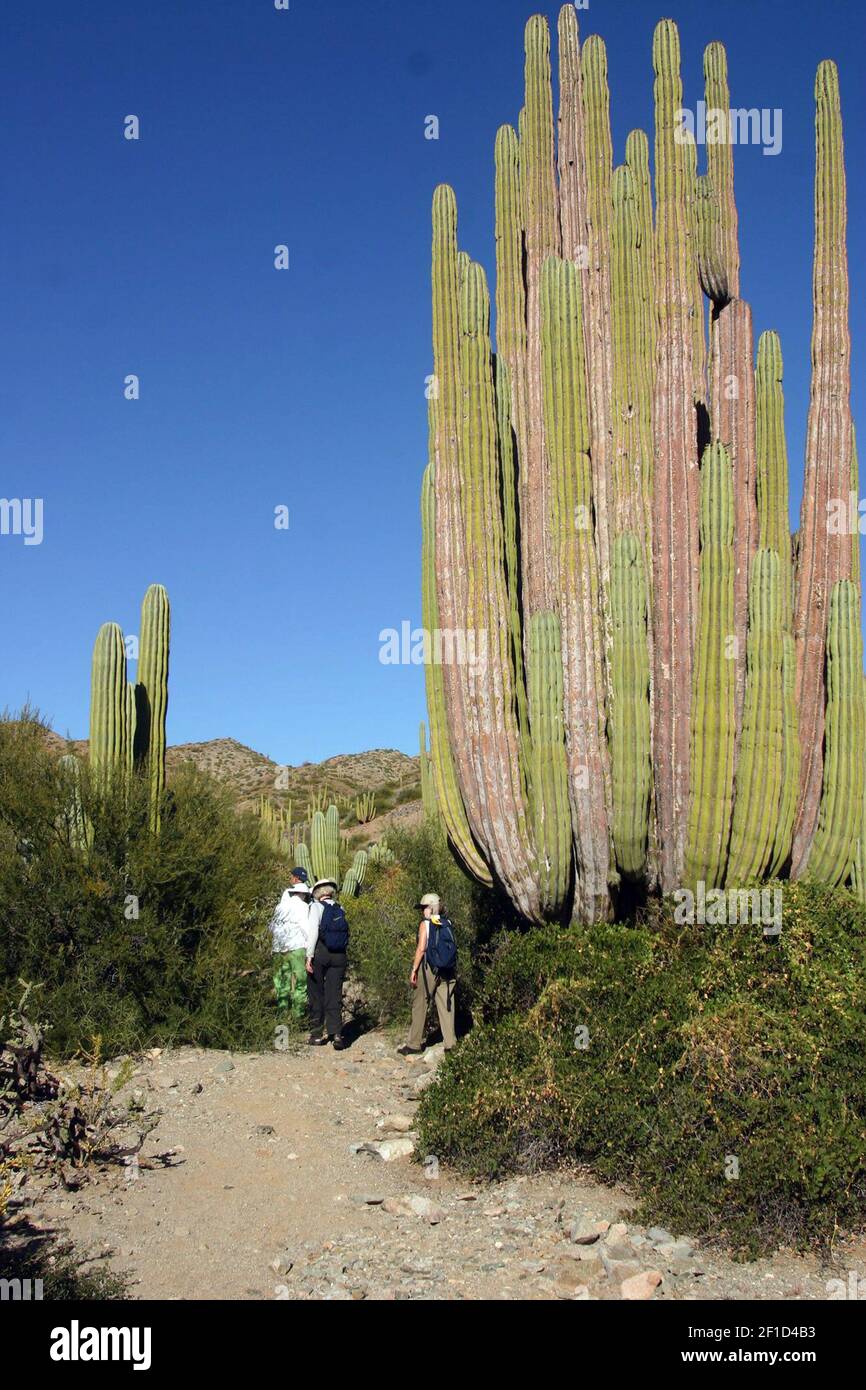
point(676, 474)
point(760, 766)
point(567, 414)
point(771, 464)
point(153, 654)
point(839, 813)
point(629, 721)
point(733, 412)
point(824, 558)
point(108, 728)
point(551, 815)
point(712, 752)
point(720, 162)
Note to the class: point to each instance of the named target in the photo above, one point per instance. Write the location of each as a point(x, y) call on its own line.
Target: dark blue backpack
point(333, 928)
point(441, 947)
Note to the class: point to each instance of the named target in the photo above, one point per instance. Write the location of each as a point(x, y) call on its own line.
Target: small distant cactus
point(365, 808)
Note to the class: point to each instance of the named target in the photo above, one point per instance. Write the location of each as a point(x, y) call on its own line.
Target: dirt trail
point(258, 1195)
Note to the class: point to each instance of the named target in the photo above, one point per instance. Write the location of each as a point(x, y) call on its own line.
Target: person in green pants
point(291, 929)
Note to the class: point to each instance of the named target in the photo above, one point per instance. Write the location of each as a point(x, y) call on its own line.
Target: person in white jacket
point(294, 930)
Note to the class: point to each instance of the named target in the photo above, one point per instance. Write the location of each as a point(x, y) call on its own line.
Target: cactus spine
point(565, 506)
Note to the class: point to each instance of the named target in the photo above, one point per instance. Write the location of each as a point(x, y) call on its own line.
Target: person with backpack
point(294, 936)
point(326, 966)
point(435, 965)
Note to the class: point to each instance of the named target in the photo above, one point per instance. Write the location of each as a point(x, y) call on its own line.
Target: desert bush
point(384, 920)
point(720, 1073)
point(139, 939)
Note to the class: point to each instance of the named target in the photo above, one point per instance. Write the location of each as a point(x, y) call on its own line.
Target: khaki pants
point(428, 989)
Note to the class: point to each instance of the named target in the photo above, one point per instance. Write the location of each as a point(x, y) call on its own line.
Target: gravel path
point(253, 1187)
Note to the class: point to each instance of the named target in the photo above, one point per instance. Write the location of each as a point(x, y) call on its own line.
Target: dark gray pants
point(325, 990)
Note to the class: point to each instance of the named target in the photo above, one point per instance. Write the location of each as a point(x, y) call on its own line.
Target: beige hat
point(326, 883)
point(300, 888)
point(429, 900)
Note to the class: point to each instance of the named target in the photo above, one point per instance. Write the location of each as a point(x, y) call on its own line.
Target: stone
point(640, 1286)
point(675, 1250)
point(395, 1124)
point(616, 1234)
point(584, 1232)
point(659, 1236)
point(225, 1065)
point(388, 1150)
point(281, 1265)
point(367, 1199)
point(422, 1206)
point(433, 1056)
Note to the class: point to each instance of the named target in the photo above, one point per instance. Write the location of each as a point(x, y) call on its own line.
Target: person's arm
point(419, 953)
point(314, 918)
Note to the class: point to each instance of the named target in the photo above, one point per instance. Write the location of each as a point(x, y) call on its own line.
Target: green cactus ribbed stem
point(510, 287)
point(858, 865)
point(447, 790)
point(584, 703)
point(301, 858)
point(153, 655)
point(428, 790)
point(637, 159)
point(325, 844)
point(708, 234)
point(508, 474)
point(675, 473)
point(629, 723)
point(354, 875)
point(791, 760)
point(78, 828)
point(697, 314)
point(824, 557)
point(712, 748)
point(131, 716)
point(571, 143)
point(550, 807)
point(541, 239)
point(490, 679)
point(720, 162)
point(840, 811)
point(771, 458)
point(598, 155)
point(760, 766)
point(733, 424)
point(108, 732)
point(631, 414)
point(855, 490)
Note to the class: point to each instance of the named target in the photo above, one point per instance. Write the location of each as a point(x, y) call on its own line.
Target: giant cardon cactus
point(643, 677)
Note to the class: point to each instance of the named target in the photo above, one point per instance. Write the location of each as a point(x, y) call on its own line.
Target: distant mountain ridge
point(393, 777)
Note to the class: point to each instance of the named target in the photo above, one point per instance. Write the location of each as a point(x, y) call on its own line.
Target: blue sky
point(305, 387)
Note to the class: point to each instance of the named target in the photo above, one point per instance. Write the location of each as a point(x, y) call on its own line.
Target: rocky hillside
point(392, 777)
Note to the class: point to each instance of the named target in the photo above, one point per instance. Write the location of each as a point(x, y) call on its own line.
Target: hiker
point(326, 966)
point(292, 929)
point(435, 964)
point(299, 875)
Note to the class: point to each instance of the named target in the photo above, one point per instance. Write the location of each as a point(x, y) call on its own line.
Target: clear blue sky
point(303, 387)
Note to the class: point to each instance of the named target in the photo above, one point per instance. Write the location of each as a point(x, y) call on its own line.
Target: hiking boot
point(317, 1040)
point(340, 1043)
point(407, 1051)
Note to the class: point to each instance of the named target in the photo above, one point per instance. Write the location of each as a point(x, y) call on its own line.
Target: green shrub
point(384, 920)
point(718, 1072)
point(136, 938)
